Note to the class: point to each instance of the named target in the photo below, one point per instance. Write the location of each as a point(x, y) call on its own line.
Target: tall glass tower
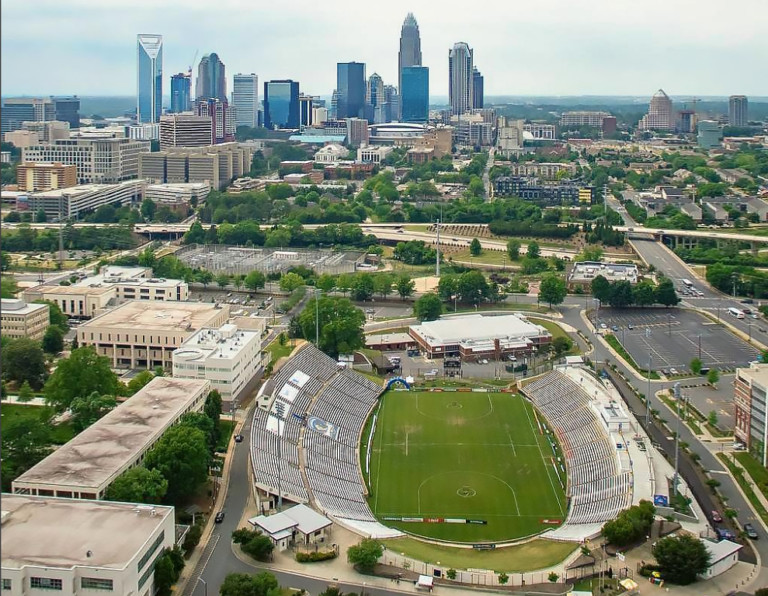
point(477, 89)
point(245, 97)
point(211, 78)
point(149, 92)
point(281, 104)
point(460, 78)
point(410, 48)
point(181, 89)
point(350, 83)
point(414, 95)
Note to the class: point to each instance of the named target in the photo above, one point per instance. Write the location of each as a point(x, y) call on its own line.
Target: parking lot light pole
point(678, 397)
point(648, 397)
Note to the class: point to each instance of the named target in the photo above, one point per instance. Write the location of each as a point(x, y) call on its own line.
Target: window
point(155, 545)
point(96, 583)
point(6, 583)
point(45, 583)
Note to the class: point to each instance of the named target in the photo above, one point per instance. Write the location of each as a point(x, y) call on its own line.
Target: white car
point(483, 361)
point(673, 371)
point(603, 326)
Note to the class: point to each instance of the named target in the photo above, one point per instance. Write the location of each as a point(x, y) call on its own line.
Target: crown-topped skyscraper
point(410, 48)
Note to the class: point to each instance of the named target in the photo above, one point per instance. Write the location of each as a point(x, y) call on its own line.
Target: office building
point(350, 83)
point(98, 160)
point(543, 193)
point(211, 78)
point(48, 131)
point(583, 118)
point(221, 116)
point(375, 99)
point(306, 110)
point(84, 467)
point(472, 129)
point(19, 319)
point(581, 274)
point(228, 357)
point(357, 131)
point(477, 89)
point(181, 93)
point(410, 51)
point(374, 154)
point(18, 110)
point(686, 121)
point(460, 84)
point(540, 131)
point(67, 109)
point(21, 138)
point(144, 132)
point(750, 398)
point(394, 102)
point(414, 93)
point(45, 176)
point(709, 134)
point(74, 547)
point(216, 165)
point(149, 104)
point(245, 99)
point(180, 194)
point(281, 104)
point(74, 201)
point(185, 130)
point(547, 171)
point(660, 115)
point(144, 334)
point(738, 110)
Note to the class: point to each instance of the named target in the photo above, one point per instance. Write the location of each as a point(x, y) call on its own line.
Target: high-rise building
point(394, 102)
point(211, 78)
point(18, 110)
point(222, 117)
point(149, 104)
point(660, 115)
point(281, 104)
point(375, 99)
point(477, 89)
point(357, 131)
point(67, 110)
point(414, 93)
point(350, 82)
point(410, 50)
point(245, 99)
point(181, 93)
point(709, 134)
point(460, 70)
point(738, 110)
point(185, 130)
point(306, 103)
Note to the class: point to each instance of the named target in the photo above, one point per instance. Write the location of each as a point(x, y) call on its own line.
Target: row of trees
point(621, 294)
point(25, 239)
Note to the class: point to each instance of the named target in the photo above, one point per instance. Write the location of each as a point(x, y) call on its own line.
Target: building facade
point(72, 202)
point(281, 104)
point(221, 116)
point(20, 319)
point(414, 93)
point(583, 118)
point(216, 165)
point(460, 68)
point(245, 99)
point(709, 134)
point(18, 110)
point(67, 110)
point(660, 115)
point(149, 93)
point(750, 399)
point(49, 131)
point(350, 83)
point(477, 89)
point(544, 193)
point(45, 176)
point(357, 131)
point(185, 130)
point(410, 51)
point(738, 110)
point(181, 93)
point(211, 78)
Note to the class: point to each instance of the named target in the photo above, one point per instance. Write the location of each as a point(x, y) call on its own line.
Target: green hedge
point(315, 557)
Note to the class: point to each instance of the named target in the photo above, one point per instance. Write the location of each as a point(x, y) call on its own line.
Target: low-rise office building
point(543, 192)
point(20, 319)
point(750, 400)
point(72, 202)
point(582, 273)
point(229, 357)
point(178, 194)
point(141, 334)
point(45, 176)
point(74, 301)
point(84, 467)
point(77, 547)
point(217, 165)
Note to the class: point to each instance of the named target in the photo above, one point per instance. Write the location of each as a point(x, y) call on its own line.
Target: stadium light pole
point(648, 397)
point(317, 317)
point(678, 397)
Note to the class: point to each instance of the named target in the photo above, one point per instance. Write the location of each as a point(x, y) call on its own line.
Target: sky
point(522, 47)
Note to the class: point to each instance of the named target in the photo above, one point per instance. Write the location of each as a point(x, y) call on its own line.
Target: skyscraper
point(306, 104)
point(245, 98)
point(68, 110)
point(477, 89)
point(350, 83)
point(149, 103)
point(211, 78)
point(375, 99)
point(460, 78)
point(281, 104)
point(393, 102)
point(659, 116)
point(410, 48)
point(181, 93)
point(738, 110)
point(222, 117)
point(414, 94)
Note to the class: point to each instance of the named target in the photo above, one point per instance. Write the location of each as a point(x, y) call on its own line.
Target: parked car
point(747, 301)
point(673, 371)
point(750, 531)
point(716, 517)
point(603, 326)
point(238, 438)
point(630, 327)
point(219, 517)
point(724, 534)
point(483, 361)
point(615, 328)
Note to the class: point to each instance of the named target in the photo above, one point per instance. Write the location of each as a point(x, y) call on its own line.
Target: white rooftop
point(225, 342)
point(150, 315)
point(588, 270)
point(720, 550)
point(471, 329)
point(19, 307)
point(303, 518)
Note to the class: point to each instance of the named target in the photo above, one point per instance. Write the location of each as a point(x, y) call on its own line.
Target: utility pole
point(699, 347)
point(437, 246)
point(61, 235)
point(678, 397)
point(605, 203)
point(317, 317)
point(648, 396)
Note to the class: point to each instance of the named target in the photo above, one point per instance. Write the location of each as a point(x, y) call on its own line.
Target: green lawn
point(60, 433)
point(469, 456)
point(758, 473)
point(277, 351)
point(556, 331)
point(537, 554)
point(226, 427)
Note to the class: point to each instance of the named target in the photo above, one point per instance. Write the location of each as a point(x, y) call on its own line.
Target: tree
point(621, 294)
point(713, 376)
point(666, 294)
point(681, 558)
point(447, 287)
point(167, 571)
point(341, 324)
point(83, 373)
point(533, 252)
point(148, 209)
point(53, 340)
point(601, 289)
point(561, 345)
point(212, 409)
point(290, 281)
point(365, 554)
point(712, 418)
point(138, 485)
point(362, 287)
point(696, 366)
point(405, 286)
point(56, 317)
point(260, 547)
point(244, 584)
point(88, 409)
point(644, 294)
point(40, 216)
point(513, 249)
point(326, 282)
point(181, 455)
point(552, 289)
point(222, 279)
point(451, 573)
point(553, 577)
point(591, 253)
point(8, 287)
point(24, 442)
point(137, 382)
point(204, 277)
point(630, 525)
point(255, 280)
point(25, 392)
point(503, 578)
point(475, 248)
point(382, 284)
point(428, 307)
point(472, 287)
point(23, 360)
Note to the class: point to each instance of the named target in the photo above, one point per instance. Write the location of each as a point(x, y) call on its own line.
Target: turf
point(464, 455)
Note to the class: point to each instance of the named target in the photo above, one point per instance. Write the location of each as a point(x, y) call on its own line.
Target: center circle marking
point(466, 492)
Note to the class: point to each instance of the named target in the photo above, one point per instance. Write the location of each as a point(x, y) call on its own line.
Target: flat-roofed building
point(217, 165)
point(185, 130)
point(78, 547)
point(21, 138)
point(48, 131)
point(19, 319)
point(475, 336)
point(141, 334)
point(73, 201)
point(374, 154)
point(229, 357)
point(74, 301)
point(583, 272)
point(183, 193)
point(84, 467)
point(750, 398)
point(45, 176)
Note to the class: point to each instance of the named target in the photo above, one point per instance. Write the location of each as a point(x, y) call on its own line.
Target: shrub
point(316, 556)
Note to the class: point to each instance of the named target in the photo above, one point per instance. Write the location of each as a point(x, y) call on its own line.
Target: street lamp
point(648, 397)
point(678, 398)
point(205, 584)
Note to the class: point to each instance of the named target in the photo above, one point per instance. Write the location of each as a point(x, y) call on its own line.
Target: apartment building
point(19, 319)
point(72, 202)
point(139, 334)
point(45, 176)
point(217, 165)
point(547, 171)
point(750, 399)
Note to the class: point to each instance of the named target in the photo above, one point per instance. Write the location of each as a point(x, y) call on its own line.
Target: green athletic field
point(461, 455)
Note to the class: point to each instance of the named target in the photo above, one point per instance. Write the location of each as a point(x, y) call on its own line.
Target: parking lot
point(674, 338)
point(385, 310)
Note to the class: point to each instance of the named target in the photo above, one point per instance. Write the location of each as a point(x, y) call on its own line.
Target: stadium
point(455, 465)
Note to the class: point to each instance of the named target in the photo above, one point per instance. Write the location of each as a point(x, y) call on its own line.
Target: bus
point(687, 283)
point(736, 313)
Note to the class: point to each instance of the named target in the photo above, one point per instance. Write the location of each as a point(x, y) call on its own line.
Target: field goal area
point(463, 466)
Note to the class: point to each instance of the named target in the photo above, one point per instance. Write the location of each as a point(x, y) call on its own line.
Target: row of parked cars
point(726, 534)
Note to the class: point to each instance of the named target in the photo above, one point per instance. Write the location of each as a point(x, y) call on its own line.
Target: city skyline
point(612, 55)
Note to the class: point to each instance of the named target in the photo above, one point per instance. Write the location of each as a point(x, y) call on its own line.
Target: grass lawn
point(226, 427)
point(616, 345)
point(489, 257)
point(530, 556)
point(556, 331)
point(758, 473)
point(60, 433)
point(276, 351)
point(468, 456)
